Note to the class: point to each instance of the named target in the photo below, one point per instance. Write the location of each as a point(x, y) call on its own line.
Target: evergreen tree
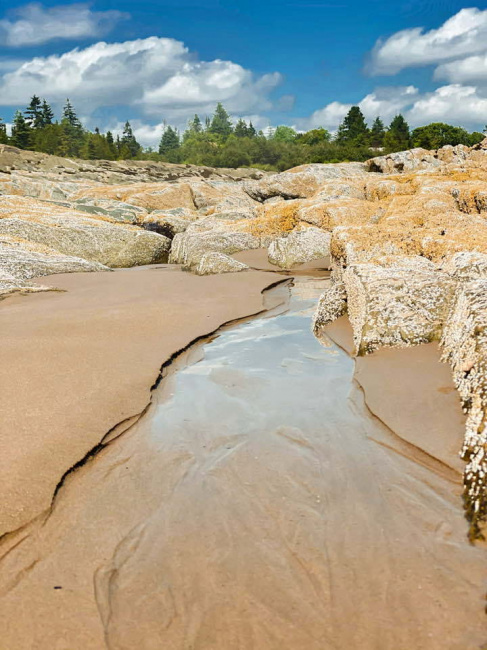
point(111, 146)
point(251, 132)
point(208, 123)
point(3, 132)
point(195, 125)
point(398, 137)
point(353, 129)
point(20, 132)
point(33, 113)
point(169, 141)
point(221, 124)
point(47, 114)
point(128, 143)
point(73, 131)
point(241, 129)
point(377, 133)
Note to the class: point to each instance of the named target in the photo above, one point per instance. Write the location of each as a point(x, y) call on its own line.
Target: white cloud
point(33, 24)
point(473, 68)
point(455, 104)
point(329, 116)
point(462, 35)
point(158, 75)
point(384, 102)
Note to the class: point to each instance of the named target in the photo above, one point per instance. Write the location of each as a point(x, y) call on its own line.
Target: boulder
point(212, 263)
point(400, 304)
point(189, 247)
point(21, 261)
point(299, 247)
point(403, 161)
point(91, 239)
point(301, 182)
point(466, 266)
point(332, 304)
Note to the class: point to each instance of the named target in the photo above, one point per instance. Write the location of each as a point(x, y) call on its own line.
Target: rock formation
point(406, 234)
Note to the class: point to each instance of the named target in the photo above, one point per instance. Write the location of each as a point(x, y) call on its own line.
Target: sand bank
point(76, 363)
point(412, 392)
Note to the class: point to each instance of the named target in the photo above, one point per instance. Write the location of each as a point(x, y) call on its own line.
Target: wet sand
point(76, 363)
point(412, 392)
point(256, 505)
point(257, 259)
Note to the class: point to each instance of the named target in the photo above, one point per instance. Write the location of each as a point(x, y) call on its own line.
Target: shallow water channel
point(257, 505)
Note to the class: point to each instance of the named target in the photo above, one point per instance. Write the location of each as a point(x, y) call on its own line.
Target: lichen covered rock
point(213, 263)
point(299, 247)
point(397, 305)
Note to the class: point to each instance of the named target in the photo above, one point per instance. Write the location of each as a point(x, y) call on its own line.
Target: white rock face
point(93, 240)
point(213, 263)
point(21, 260)
point(301, 182)
point(403, 161)
point(464, 342)
point(465, 266)
point(402, 305)
point(299, 247)
point(332, 305)
point(189, 247)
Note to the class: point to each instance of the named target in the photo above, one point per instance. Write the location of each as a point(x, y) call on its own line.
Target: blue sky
point(296, 62)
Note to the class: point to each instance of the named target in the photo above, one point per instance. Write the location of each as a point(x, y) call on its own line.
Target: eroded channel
point(251, 508)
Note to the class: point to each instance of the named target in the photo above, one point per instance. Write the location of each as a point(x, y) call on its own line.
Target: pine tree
point(208, 123)
point(47, 114)
point(112, 147)
point(241, 129)
point(195, 124)
point(33, 113)
point(353, 129)
point(3, 132)
point(20, 131)
point(169, 141)
point(377, 133)
point(73, 130)
point(251, 132)
point(128, 143)
point(221, 124)
point(398, 137)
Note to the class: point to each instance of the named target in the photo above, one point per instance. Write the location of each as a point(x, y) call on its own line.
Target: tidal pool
point(257, 505)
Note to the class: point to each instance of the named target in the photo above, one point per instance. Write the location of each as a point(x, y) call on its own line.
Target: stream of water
point(252, 508)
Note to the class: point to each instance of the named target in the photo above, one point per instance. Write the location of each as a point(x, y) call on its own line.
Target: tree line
point(217, 142)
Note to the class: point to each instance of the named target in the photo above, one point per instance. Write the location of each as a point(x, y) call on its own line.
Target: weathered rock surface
point(399, 305)
point(299, 247)
point(189, 247)
point(465, 348)
point(20, 261)
point(301, 182)
point(74, 234)
point(212, 263)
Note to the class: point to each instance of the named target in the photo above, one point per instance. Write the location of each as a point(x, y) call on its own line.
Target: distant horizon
point(299, 64)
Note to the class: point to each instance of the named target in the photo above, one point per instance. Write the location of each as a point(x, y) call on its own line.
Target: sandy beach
point(78, 362)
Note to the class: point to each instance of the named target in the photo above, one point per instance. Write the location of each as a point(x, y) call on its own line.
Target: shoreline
point(103, 338)
point(412, 393)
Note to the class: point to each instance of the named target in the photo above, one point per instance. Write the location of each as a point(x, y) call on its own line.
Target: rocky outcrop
point(74, 234)
point(299, 247)
point(212, 263)
point(301, 182)
point(189, 247)
point(21, 260)
point(402, 304)
point(465, 349)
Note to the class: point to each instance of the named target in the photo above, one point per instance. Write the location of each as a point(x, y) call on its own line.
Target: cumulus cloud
point(33, 24)
point(472, 68)
point(160, 76)
point(462, 35)
point(384, 102)
point(455, 104)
